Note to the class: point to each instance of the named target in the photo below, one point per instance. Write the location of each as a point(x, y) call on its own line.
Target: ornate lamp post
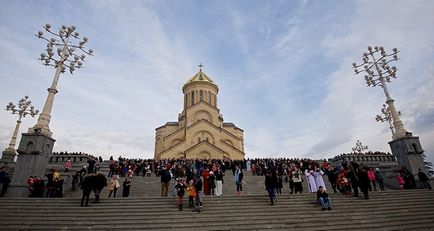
point(65, 51)
point(24, 108)
point(386, 116)
point(359, 147)
point(405, 146)
point(378, 72)
point(62, 54)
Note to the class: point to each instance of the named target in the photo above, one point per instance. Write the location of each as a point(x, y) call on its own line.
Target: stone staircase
point(146, 210)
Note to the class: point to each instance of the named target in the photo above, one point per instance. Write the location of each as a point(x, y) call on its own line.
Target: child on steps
point(180, 189)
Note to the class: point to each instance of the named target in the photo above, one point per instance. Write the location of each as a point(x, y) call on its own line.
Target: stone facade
point(34, 151)
point(409, 152)
point(387, 164)
point(200, 131)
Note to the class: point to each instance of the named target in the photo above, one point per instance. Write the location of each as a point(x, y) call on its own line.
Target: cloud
point(283, 69)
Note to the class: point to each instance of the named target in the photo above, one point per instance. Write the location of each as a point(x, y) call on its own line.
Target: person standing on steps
point(271, 185)
point(352, 176)
point(279, 182)
point(372, 179)
point(332, 176)
point(311, 186)
point(2, 178)
point(379, 178)
point(319, 181)
point(291, 179)
point(239, 180)
point(91, 165)
point(112, 168)
point(212, 183)
point(400, 180)
point(113, 186)
point(165, 179)
point(206, 188)
point(364, 181)
point(191, 193)
point(87, 186)
point(67, 165)
point(180, 188)
point(198, 184)
point(219, 182)
point(99, 184)
point(296, 178)
point(148, 171)
point(424, 179)
point(126, 187)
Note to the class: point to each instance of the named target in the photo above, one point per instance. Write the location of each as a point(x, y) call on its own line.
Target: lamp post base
point(408, 152)
point(8, 155)
point(34, 152)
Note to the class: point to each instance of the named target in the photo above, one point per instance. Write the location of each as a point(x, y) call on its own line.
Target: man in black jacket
point(99, 184)
point(87, 186)
point(424, 179)
point(271, 185)
point(364, 181)
point(332, 178)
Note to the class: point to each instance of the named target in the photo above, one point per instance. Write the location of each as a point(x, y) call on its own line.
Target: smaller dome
point(200, 76)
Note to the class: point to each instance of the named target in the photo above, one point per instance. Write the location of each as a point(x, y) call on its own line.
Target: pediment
point(205, 150)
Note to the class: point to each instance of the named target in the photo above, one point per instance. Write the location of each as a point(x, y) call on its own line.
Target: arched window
point(201, 95)
point(209, 97)
point(415, 148)
point(192, 97)
point(198, 139)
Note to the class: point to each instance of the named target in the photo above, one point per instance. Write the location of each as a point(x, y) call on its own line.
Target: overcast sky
point(283, 69)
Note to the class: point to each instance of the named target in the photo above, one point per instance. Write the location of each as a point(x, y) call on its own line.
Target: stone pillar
point(34, 151)
point(408, 152)
point(7, 160)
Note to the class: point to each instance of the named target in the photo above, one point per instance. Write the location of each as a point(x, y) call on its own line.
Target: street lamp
point(359, 147)
point(386, 116)
point(24, 108)
point(62, 54)
point(378, 72)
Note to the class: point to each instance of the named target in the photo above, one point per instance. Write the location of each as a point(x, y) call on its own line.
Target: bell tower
point(199, 88)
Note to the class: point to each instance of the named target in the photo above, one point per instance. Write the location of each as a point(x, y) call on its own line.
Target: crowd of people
point(72, 154)
point(196, 178)
point(53, 187)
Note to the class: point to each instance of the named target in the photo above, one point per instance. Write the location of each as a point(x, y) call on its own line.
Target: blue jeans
point(324, 202)
point(271, 194)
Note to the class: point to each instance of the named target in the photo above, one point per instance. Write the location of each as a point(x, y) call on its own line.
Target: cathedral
point(200, 131)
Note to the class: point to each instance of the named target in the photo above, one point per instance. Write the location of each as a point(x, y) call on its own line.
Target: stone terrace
point(146, 210)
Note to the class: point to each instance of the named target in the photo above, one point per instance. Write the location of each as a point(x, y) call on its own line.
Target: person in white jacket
point(113, 186)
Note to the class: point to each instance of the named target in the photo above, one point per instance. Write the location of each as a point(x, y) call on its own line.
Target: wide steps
point(391, 210)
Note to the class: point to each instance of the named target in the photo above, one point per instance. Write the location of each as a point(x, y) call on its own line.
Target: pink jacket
point(400, 180)
point(371, 175)
point(67, 165)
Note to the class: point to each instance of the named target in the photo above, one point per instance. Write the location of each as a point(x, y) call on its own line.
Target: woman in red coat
point(205, 176)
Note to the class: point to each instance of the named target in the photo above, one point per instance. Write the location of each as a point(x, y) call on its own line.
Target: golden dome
point(200, 77)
